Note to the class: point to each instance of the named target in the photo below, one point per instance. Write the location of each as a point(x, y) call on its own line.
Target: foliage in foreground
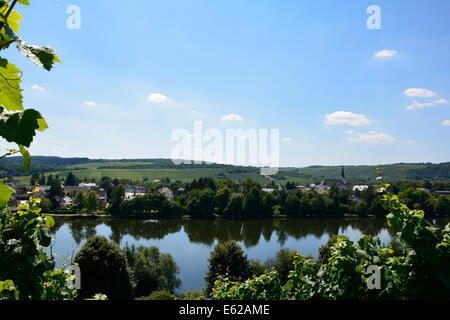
point(25, 267)
point(152, 271)
point(421, 271)
point(104, 268)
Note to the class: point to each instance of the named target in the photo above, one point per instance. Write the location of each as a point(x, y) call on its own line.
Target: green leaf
point(26, 158)
point(13, 20)
point(42, 124)
point(49, 222)
point(24, 2)
point(10, 92)
point(44, 57)
point(20, 127)
point(5, 195)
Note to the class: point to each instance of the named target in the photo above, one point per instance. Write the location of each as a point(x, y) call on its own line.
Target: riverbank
point(215, 217)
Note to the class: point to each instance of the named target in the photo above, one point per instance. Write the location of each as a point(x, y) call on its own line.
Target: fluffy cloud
point(352, 119)
point(157, 98)
point(383, 54)
point(232, 117)
point(286, 139)
point(419, 93)
point(38, 88)
point(418, 105)
point(373, 137)
point(90, 104)
point(446, 123)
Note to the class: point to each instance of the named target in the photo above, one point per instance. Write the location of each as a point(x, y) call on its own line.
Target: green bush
point(24, 264)
point(227, 259)
point(159, 295)
point(325, 250)
point(283, 263)
point(193, 295)
point(152, 270)
point(256, 267)
point(104, 269)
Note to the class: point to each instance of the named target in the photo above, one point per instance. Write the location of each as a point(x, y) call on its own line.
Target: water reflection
point(190, 241)
point(250, 232)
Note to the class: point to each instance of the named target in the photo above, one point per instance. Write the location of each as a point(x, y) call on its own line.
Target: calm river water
point(190, 241)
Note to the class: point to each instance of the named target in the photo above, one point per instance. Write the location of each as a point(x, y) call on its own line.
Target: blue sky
point(338, 92)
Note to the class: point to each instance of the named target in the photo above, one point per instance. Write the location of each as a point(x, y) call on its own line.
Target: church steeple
point(343, 175)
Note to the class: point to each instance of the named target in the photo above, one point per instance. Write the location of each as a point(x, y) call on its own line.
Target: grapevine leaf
point(20, 127)
point(42, 124)
point(10, 92)
point(26, 158)
point(13, 20)
point(49, 222)
point(5, 194)
point(5, 39)
point(44, 57)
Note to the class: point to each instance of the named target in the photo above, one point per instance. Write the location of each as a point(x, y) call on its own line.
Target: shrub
point(325, 250)
point(26, 271)
point(104, 269)
point(256, 267)
point(159, 295)
point(152, 270)
point(284, 263)
point(228, 259)
point(193, 295)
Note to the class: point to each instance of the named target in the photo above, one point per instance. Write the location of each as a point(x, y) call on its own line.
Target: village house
point(167, 193)
point(326, 184)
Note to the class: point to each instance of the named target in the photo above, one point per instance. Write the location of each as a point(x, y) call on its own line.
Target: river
point(190, 241)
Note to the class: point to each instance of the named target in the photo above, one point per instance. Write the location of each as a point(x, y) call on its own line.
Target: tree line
point(207, 197)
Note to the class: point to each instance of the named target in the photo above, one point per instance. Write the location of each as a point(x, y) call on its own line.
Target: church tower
point(343, 175)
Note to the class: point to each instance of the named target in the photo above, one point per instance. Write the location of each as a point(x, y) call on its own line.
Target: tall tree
point(71, 180)
point(91, 201)
point(117, 197)
point(79, 201)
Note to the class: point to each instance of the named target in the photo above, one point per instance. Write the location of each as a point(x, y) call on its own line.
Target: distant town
point(72, 196)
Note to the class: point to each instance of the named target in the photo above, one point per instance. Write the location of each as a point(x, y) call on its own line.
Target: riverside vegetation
point(208, 198)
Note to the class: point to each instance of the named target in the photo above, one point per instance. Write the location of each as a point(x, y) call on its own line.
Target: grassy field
point(137, 170)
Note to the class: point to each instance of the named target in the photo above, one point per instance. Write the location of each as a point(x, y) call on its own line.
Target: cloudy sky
point(338, 92)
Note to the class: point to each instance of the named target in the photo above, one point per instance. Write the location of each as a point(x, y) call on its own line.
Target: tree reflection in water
point(208, 231)
point(190, 241)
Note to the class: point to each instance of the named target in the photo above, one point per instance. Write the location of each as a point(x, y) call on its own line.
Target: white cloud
point(352, 119)
point(373, 137)
point(419, 93)
point(157, 98)
point(417, 105)
point(446, 123)
point(90, 103)
point(232, 117)
point(38, 88)
point(383, 54)
point(286, 139)
point(411, 141)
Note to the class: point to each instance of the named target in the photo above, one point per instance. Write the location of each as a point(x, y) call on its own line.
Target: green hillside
point(152, 169)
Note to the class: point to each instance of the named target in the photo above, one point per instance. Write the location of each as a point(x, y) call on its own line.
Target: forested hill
point(137, 169)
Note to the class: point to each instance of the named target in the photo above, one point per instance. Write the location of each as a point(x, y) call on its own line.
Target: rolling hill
point(151, 169)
